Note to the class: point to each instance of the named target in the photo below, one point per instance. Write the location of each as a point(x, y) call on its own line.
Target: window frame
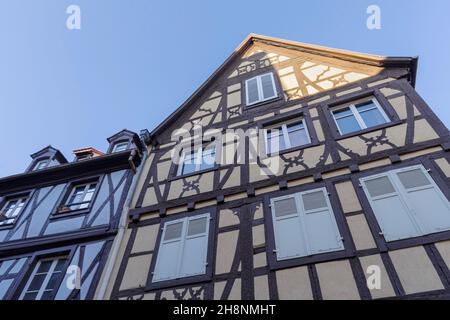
point(260, 90)
point(28, 195)
point(374, 226)
point(348, 246)
point(341, 103)
point(178, 168)
point(123, 142)
point(357, 115)
point(39, 161)
point(284, 128)
point(67, 193)
point(288, 117)
point(20, 283)
point(210, 252)
point(49, 274)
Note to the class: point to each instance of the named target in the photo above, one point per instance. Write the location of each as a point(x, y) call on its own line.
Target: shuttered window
point(183, 248)
point(260, 88)
point(304, 225)
point(407, 203)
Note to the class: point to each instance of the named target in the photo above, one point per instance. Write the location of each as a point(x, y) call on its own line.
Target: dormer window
point(41, 164)
point(260, 88)
point(120, 146)
point(11, 210)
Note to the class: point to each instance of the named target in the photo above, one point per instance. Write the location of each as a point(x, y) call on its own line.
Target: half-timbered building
point(294, 172)
point(59, 218)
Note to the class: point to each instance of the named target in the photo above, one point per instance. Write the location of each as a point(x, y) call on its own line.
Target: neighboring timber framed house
point(351, 178)
point(58, 220)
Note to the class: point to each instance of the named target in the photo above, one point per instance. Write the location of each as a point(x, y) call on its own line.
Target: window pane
point(348, 124)
point(208, 158)
point(315, 200)
point(275, 140)
point(44, 266)
point(197, 226)
point(120, 147)
point(285, 207)
point(379, 186)
point(188, 168)
point(267, 86)
point(372, 117)
point(37, 282)
point(366, 106)
point(30, 296)
point(295, 126)
point(298, 138)
point(60, 264)
point(252, 91)
point(173, 231)
point(46, 295)
point(342, 113)
point(413, 179)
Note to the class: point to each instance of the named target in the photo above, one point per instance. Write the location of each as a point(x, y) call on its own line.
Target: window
point(407, 203)
point(359, 116)
point(41, 164)
point(183, 248)
point(260, 88)
point(44, 279)
point(285, 136)
point(80, 196)
point(11, 210)
point(201, 159)
point(304, 225)
point(121, 146)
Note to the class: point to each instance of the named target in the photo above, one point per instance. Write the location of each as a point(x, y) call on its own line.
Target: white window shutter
point(268, 86)
point(169, 251)
point(252, 91)
point(289, 238)
point(389, 208)
point(193, 261)
point(320, 224)
point(428, 205)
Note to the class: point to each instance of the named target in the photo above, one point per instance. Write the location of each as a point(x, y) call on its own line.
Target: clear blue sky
point(135, 61)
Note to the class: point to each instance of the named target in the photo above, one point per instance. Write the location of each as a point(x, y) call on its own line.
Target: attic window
point(120, 146)
point(260, 88)
point(41, 164)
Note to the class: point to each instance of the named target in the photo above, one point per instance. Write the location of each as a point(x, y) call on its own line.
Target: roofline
point(369, 59)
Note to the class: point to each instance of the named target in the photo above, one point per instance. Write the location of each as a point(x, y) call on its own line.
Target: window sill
point(71, 213)
point(416, 241)
point(293, 149)
point(297, 262)
point(196, 173)
point(178, 282)
point(7, 226)
point(368, 130)
point(262, 103)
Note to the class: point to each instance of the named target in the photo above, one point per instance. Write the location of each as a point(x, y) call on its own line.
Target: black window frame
point(210, 257)
point(62, 201)
point(303, 115)
point(4, 200)
point(349, 247)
